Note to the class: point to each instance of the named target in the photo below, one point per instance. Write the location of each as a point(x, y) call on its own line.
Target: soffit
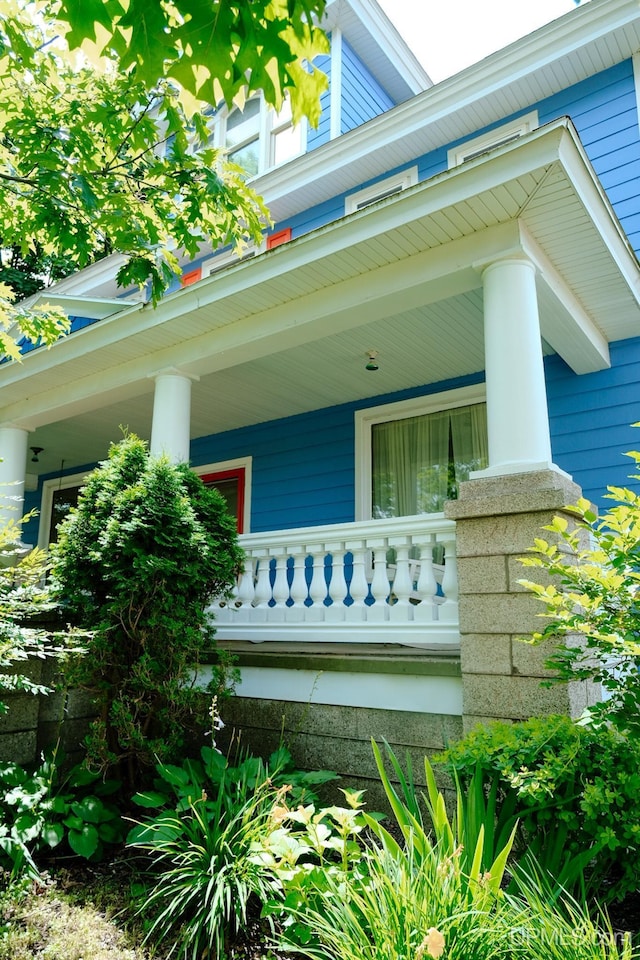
point(299, 293)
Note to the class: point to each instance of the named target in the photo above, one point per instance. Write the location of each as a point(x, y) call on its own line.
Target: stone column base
point(497, 519)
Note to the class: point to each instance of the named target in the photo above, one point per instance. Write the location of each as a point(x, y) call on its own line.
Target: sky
point(448, 35)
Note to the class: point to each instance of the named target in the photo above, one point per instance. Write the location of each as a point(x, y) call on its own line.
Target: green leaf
point(91, 810)
point(150, 798)
point(53, 834)
point(84, 842)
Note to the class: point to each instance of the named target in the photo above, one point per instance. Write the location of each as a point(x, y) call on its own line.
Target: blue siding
point(591, 417)
point(362, 96)
point(322, 134)
point(303, 470)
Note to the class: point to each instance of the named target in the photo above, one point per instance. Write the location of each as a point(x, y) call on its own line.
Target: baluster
point(402, 586)
point(262, 594)
point(359, 588)
point(280, 586)
point(379, 610)
point(246, 589)
point(427, 584)
point(337, 585)
point(299, 589)
point(318, 585)
point(449, 609)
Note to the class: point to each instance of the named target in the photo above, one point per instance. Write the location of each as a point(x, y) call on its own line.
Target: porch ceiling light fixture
point(371, 363)
point(35, 451)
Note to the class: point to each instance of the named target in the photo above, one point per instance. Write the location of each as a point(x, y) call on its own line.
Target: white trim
point(380, 190)
point(335, 88)
point(635, 62)
point(497, 137)
point(239, 462)
point(221, 260)
point(418, 406)
point(381, 691)
point(46, 502)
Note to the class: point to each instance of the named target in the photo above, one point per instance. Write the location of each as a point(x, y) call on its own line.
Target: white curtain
point(418, 462)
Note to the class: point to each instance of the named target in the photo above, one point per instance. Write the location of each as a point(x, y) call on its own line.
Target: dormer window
point(501, 135)
point(256, 137)
point(242, 136)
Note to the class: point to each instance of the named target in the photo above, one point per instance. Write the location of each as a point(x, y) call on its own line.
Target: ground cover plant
point(202, 821)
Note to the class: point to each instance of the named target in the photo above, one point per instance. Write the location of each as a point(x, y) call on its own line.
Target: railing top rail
point(420, 524)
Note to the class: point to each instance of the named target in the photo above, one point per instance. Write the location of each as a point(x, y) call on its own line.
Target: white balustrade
point(368, 582)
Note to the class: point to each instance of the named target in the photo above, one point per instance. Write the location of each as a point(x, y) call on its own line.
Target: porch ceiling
point(288, 331)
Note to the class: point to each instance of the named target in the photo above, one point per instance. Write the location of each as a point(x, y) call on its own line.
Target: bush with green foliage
point(47, 810)
point(436, 892)
point(209, 816)
point(24, 596)
point(137, 562)
point(574, 792)
point(592, 602)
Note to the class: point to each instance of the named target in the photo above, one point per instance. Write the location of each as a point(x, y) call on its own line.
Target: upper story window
point(505, 133)
point(257, 137)
point(381, 190)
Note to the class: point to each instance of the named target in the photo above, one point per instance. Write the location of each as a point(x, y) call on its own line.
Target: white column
point(517, 414)
point(13, 451)
point(171, 424)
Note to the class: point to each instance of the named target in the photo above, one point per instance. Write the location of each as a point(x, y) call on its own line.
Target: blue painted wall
point(315, 138)
point(303, 470)
point(591, 416)
point(362, 96)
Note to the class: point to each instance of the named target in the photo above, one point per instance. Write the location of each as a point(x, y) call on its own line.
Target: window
point(412, 456)
point(471, 149)
point(58, 496)
point(226, 258)
point(242, 136)
point(232, 479)
point(256, 137)
point(381, 190)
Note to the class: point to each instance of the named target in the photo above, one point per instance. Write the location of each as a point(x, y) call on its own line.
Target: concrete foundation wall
point(322, 736)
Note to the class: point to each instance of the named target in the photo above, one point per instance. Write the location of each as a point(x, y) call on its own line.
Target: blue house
point(435, 349)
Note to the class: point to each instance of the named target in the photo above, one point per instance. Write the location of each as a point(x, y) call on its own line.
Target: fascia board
point(400, 56)
point(578, 168)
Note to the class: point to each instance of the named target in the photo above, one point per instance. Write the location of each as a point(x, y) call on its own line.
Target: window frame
point(46, 501)
point(231, 468)
point(380, 190)
point(399, 410)
point(228, 257)
point(505, 133)
point(268, 128)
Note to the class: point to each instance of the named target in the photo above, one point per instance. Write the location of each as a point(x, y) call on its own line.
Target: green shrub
point(137, 563)
point(593, 597)
point(574, 790)
point(24, 595)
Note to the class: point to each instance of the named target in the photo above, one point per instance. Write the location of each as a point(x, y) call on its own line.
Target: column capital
point(173, 372)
